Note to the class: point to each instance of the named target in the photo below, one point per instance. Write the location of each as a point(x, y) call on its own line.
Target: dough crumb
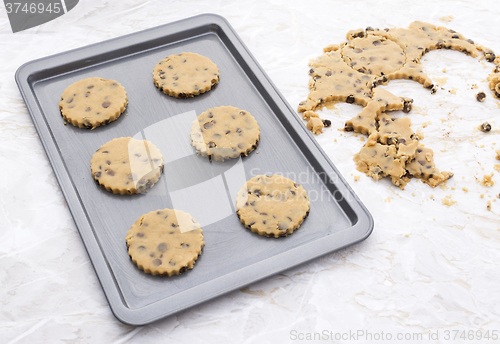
point(388, 199)
point(465, 189)
point(497, 167)
point(488, 205)
point(356, 178)
point(315, 125)
point(498, 154)
point(448, 201)
point(446, 19)
point(487, 181)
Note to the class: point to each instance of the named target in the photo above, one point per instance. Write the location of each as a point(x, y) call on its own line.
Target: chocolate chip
point(172, 263)
point(88, 109)
point(97, 175)
point(140, 234)
point(480, 96)
point(108, 162)
point(182, 95)
point(90, 87)
point(401, 140)
point(207, 125)
point(184, 245)
point(241, 146)
point(421, 162)
point(170, 67)
point(376, 43)
point(407, 106)
point(329, 73)
point(156, 262)
point(210, 115)
point(350, 99)
point(490, 56)
point(485, 127)
point(348, 128)
point(175, 225)
point(110, 172)
point(257, 192)
point(141, 248)
point(69, 100)
point(162, 247)
point(238, 130)
point(211, 144)
point(327, 123)
point(228, 132)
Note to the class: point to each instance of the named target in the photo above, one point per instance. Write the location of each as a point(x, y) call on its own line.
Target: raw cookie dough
point(225, 132)
point(185, 75)
point(422, 166)
point(272, 206)
point(351, 72)
point(165, 242)
point(127, 166)
point(92, 102)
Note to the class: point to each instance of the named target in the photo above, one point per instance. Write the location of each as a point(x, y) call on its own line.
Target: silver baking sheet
point(233, 256)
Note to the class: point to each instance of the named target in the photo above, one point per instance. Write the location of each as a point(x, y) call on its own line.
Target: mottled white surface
point(427, 267)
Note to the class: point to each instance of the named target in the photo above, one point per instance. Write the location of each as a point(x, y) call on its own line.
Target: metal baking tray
point(233, 256)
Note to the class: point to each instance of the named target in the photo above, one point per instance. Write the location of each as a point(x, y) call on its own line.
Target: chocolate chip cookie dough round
point(165, 242)
point(127, 166)
point(225, 132)
point(185, 75)
point(272, 206)
point(92, 102)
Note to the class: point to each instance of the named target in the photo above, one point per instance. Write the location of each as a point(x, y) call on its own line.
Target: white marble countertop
point(427, 273)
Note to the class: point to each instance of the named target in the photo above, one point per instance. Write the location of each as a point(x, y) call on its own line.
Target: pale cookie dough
point(127, 166)
point(494, 83)
point(225, 132)
point(422, 166)
point(165, 242)
point(351, 72)
point(379, 161)
point(185, 75)
point(272, 206)
point(92, 102)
